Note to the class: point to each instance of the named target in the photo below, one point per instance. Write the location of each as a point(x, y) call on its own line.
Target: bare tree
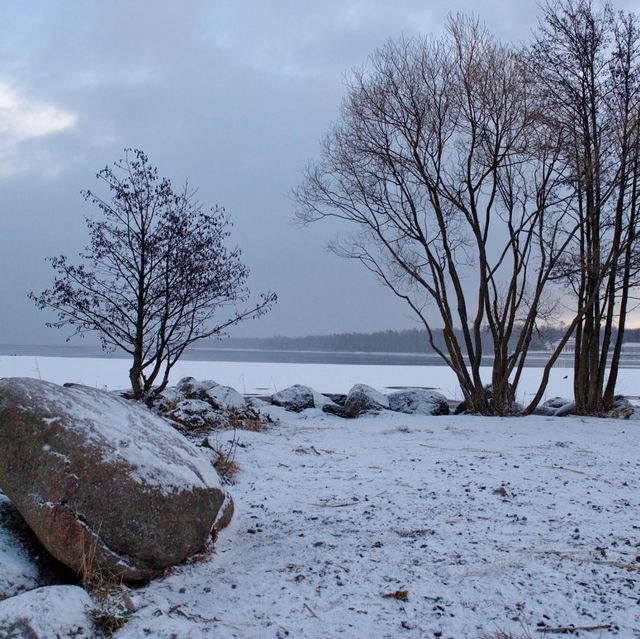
point(586, 63)
point(155, 276)
point(440, 165)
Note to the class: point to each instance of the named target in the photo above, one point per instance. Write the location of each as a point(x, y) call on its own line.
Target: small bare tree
point(155, 276)
point(586, 63)
point(440, 165)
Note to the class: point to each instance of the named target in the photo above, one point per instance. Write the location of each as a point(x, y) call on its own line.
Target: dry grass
point(112, 605)
point(500, 634)
point(226, 468)
point(249, 419)
point(225, 463)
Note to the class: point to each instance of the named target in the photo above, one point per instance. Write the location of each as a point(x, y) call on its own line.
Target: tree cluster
point(498, 187)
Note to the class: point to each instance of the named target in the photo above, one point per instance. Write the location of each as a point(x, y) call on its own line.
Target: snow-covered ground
point(486, 523)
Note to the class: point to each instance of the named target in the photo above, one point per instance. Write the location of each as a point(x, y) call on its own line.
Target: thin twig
point(340, 505)
point(572, 629)
point(310, 609)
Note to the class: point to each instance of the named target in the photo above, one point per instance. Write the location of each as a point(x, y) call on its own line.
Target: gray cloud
point(234, 95)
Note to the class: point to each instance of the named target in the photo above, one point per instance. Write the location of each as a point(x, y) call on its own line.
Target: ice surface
point(268, 378)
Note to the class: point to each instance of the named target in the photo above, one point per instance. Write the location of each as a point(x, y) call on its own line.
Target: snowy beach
point(487, 524)
point(397, 525)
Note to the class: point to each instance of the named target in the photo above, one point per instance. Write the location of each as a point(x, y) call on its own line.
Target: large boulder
point(364, 399)
point(104, 483)
point(419, 401)
point(52, 611)
point(297, 398)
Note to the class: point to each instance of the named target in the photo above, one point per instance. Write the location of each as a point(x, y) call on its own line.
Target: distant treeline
point(406, 341)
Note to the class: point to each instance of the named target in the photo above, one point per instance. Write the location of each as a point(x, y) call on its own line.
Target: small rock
point(297, 398)
point(363, 399)
point(419, 401)
point(194, 414)
point(43, 613)
point(225, 398)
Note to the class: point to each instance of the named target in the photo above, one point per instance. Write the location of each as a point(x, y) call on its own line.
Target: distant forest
point(406, 341)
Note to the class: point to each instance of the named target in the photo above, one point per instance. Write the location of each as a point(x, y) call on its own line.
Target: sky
point(234, 95)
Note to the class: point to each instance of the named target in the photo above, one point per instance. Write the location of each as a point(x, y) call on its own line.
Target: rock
point(568, 409)
point(225, 398)
point(334, 409)
point(201, 404)
point(336, 398)
point(191, 388)
point(556, 407)
point(419, 401)
point(194, 414)
point(363, 399)
point(543, 410)
point(297, 398)
point(52, 611)
point(622, 408)
point(225, 514)
point(100, 479)
point(556, 402)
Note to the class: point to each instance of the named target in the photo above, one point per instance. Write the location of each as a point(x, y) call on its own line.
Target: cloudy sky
point(233, 94)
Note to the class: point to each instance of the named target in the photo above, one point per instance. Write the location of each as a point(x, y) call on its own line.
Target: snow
point(363, 398)
point(487, 523)
point(298, 397)
point(19, 572)
point(52, 611)
point(226, 398)
point(418, 401)
point(124, 431)
point(268, 378)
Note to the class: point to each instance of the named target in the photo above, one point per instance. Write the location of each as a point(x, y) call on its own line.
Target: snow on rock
point(419, 401)
point(297, 398)
point(364, 399)
point(622, 408)
point(18, 572)
point(194, 413)
point(225, 514)
point(87, 469)
point(191, 388)
point(556, 407)
point(201, 404)
point(44, 613)
point(484, 522)
point(225, 398)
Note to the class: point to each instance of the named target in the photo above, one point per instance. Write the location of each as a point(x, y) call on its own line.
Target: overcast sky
point(234, 95)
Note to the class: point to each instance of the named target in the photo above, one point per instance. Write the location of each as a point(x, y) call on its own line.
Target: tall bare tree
point(442, 169)
point(586, 62)
point(156, 276)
